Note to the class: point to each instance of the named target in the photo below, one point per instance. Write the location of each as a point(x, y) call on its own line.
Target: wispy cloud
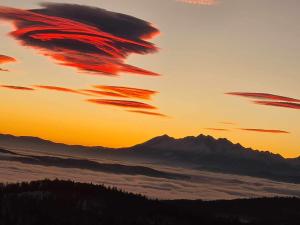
point(129, 91)
point(20, 88)
point(103, 93)
point(270, 99)
point(82, 91)
point(290, 105)
point(216, 129)
point(55, 88)
point(263, 96)
point(87, 38)
point(122, 103)
point(227, 123)
point(3, 70)
point(148, 113)
point(199, 2)
point(265, 130)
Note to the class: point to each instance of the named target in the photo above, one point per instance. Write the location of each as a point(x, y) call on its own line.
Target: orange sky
point(203, 52)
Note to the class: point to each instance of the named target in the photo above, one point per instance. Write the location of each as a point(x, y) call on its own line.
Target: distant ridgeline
point(201, 153)
point(67, 203)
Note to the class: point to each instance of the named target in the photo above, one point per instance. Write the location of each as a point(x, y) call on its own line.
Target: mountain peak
point(160, 139)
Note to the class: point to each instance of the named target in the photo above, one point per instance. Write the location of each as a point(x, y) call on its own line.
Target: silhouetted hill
point(201, 152)
point(68, 203)
point(40, 145)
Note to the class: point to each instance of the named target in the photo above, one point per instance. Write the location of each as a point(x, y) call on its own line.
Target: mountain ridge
point(198, 153)
point(161, 137)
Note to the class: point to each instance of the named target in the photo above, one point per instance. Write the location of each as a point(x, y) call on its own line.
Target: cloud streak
point(148, 113)
point(290, 105)
point(265, 96)
point(270, 99)
point(265, 131)
point(4, 70)
point(129, 92)
point(90, 39)
point(20, 88)
point(227, 123)
point(55, 88)
point(216, 129)
point(103, 93)
point(122, 103)
point(199, 2)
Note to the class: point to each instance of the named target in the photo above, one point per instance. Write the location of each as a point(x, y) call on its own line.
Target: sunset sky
point(226, 68)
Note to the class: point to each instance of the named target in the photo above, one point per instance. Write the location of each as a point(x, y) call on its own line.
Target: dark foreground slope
point(68, 203)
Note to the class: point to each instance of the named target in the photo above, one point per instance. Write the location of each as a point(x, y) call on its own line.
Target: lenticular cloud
point(128, 92)
point(87, 38)
point(265, 131)
point(122, 103)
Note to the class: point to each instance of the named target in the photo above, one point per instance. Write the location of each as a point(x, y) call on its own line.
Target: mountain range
point(199, 153)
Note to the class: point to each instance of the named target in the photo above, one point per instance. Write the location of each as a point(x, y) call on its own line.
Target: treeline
point(69, 203)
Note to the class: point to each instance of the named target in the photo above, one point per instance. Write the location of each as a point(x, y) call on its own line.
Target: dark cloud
point(122, 103)
point(290, 105)
point(17, 87)
point(87, 38)
point(129, 91)
point(148, 113)
point(265, 131)
point(263, 96)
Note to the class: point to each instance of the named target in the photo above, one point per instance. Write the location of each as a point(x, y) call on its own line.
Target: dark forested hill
point(68, 203)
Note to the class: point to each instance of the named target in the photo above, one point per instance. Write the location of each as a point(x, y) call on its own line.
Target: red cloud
point(264, 96)
point(82, 92)
point(122, 103)
point(55, 88)
point(6, 59)
point(129, 92)
point(266, 131)
point(89, 39)
point(17, 88)
point(148, 113)
point(104, 93)
point(279, 104)
point(199, 2)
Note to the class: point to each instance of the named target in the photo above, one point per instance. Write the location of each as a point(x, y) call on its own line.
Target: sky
point(226, 68)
